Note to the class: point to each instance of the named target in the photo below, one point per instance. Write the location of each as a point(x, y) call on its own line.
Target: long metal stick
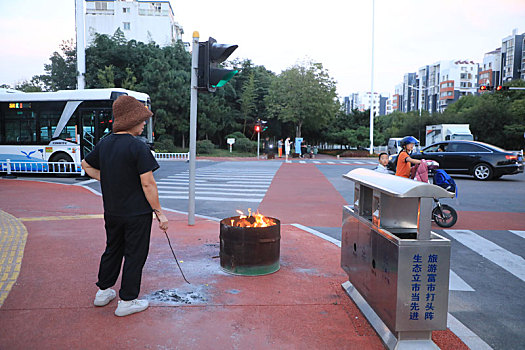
point(182, 273)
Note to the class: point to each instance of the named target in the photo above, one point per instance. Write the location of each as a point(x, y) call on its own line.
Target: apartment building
point(490, 69)
point(351, 102)
point(143, 21)
point(512, 63)
point(362, 101)
point(409, 81)
point(457, 79)
point(397, 99)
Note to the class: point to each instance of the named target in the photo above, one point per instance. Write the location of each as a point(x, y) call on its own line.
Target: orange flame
point(258, 219)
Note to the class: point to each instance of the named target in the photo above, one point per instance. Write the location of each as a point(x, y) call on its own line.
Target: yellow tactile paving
point(64, 217)
point(13, 236)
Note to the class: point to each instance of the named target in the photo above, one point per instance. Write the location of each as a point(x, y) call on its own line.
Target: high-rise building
point(433, 87)
point(351, 102)
point(383, 105)
point(511, 57)
point(490, 70)
point(409, 81)
point(397, 99)
point(456, 79)
point(142, 20)
point(362, 101)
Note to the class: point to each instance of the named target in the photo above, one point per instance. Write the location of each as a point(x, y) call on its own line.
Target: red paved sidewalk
point(302, 306)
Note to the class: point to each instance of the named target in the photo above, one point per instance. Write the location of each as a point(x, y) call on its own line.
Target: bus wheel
point(61, 158)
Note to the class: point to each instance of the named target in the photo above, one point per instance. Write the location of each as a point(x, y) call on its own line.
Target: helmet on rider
point(407, 140)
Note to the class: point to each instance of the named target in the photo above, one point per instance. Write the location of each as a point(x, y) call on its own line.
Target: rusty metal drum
point(249, 251)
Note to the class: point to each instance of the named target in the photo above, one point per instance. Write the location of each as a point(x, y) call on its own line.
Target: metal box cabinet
point(398, 266)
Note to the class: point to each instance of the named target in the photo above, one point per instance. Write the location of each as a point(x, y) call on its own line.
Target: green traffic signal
point(219, 77)
point(210, 76)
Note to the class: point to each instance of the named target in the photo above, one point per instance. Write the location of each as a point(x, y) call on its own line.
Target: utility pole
point(193, 127)
point(372, 87)
point(81, 44)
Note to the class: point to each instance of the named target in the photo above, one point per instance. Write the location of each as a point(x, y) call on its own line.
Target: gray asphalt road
point(490, 264)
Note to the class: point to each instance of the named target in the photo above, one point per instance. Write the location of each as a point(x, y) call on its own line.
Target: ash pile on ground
point(174, 296)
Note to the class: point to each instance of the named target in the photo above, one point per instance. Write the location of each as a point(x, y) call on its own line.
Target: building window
point(125, 10)
point(127, 26)
point(101, 5)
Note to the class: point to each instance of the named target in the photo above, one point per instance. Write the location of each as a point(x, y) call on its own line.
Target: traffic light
point(486, 88)
point(502, 88)
point(264, 125)
point(257, 128)
point(210, 77)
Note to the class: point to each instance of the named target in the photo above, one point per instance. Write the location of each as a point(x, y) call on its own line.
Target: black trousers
point(128, 238)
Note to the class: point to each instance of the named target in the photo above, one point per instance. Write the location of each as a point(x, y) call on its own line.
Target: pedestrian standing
point(124, 166)
point(287, 148)
point(280, 146)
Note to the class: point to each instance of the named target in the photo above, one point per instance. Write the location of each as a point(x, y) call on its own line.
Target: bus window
point(48, 124)
point(19, 126)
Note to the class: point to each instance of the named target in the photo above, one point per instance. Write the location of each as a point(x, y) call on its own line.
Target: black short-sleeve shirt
point(121, 159)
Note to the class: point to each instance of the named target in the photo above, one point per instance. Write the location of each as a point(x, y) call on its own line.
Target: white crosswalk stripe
point(519, 233)
point(215, 183)
point(335, 162)
point(511, 262)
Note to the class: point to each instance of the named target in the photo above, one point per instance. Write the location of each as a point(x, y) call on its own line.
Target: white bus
point(61, 126)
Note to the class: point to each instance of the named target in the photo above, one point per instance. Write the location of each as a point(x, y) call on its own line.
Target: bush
point(165, 144)
point(205, 147)
point(355, 153)
point(236, 135)
point(245, 145)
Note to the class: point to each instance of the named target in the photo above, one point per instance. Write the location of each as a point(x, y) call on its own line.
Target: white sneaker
point(103, 297)
point(125, 308)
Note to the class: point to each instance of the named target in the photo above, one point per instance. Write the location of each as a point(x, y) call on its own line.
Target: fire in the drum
point(252, 220)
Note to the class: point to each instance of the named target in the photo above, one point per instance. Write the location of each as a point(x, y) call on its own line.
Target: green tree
point(61, 73)
point(247, 101)
point(106, 76)
point(34, 85)
point(303, 95)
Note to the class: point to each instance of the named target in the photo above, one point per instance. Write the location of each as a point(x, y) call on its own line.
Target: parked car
point(479, 159)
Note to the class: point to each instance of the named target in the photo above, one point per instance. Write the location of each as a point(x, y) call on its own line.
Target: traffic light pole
point(193, 127)
point(258, 140)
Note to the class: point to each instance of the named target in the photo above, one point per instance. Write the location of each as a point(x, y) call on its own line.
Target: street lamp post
point(420, 90)
point(372, 86)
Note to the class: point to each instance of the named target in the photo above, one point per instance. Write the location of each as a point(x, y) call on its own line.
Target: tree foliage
point(300, 101)
point(304, 95)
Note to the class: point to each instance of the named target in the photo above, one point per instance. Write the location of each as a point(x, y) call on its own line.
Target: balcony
point(152, 12)
point(99, 12)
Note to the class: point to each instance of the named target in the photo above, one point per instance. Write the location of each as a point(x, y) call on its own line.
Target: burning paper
point(252, 220)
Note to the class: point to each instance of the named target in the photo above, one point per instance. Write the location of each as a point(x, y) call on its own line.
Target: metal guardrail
point(172, 156)
point(24, 167)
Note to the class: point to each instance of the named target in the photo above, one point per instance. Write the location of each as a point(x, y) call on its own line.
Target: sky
point(280, 33)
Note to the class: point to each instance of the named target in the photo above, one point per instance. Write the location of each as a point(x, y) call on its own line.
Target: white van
point(394, 146)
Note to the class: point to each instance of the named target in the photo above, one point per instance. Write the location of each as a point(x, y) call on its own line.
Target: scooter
point(442, 214)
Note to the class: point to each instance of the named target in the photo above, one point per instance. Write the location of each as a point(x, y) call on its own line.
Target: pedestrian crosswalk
point(221, 183)
point(486, 248)
point(335, 161)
